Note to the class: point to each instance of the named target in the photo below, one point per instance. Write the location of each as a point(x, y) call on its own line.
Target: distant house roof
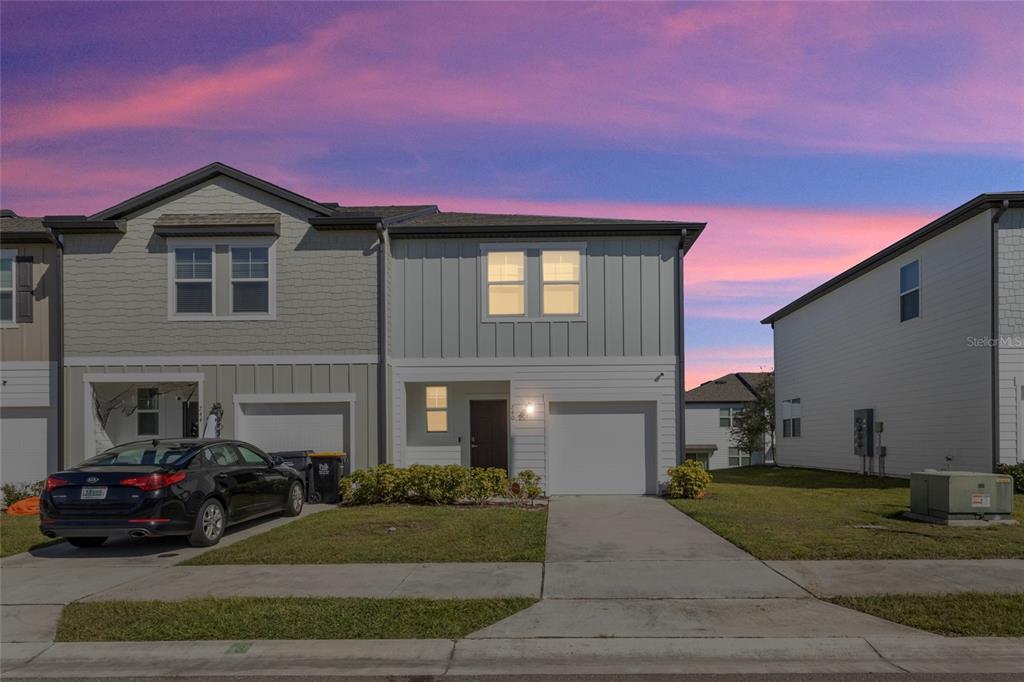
point(959, 214)
point(16, 228)
point(738, 387)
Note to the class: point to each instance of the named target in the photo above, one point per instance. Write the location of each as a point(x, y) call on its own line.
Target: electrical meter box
point(950, 496)
point(864, 433)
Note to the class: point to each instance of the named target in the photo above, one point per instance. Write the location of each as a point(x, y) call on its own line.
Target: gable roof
point(980, 203)
point(200, 176)
point(738, 387)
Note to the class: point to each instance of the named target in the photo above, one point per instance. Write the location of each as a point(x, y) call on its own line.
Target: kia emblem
point(93, 479)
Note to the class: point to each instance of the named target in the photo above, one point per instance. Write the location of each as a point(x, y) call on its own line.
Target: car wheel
point(86, 542)
point(210, 523)
point(293, 506)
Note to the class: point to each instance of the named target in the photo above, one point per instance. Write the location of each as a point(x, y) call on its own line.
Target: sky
point(808, 136)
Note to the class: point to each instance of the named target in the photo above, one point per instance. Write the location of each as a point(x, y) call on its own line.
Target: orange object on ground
point(27, 507)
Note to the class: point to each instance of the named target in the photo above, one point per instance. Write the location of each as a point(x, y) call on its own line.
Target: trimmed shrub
point(1016, 471)
point(385, 484)
point(690, 479)
point(16, 492)
point(436, 484)
point(525, 487)
point(484, 484)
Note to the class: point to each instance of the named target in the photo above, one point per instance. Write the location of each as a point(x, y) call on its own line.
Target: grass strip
point(281, 618)
point(20, 534)
point(394, 534)
point(969, 614)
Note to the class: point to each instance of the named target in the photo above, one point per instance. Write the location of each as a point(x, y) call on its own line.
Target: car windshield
point(142, 453)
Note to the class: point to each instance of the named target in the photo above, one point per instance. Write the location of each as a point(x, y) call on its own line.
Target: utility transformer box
point(961, 497)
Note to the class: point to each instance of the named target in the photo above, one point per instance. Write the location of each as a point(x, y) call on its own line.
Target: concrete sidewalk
point(915, 576)
point(872, 654)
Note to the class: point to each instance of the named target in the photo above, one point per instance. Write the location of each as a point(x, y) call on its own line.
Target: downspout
point(680, 370)
point(995, 331)
point(382, 343)
point(59, 304)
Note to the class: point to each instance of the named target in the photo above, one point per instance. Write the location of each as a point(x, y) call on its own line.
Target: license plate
point(98, 492)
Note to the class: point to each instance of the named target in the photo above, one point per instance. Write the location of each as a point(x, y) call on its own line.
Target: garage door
point(601, 448)
point(275, 427)
point(23, 444)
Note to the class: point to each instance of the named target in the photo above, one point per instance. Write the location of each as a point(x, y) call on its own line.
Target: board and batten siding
point(1010, 293)
point(221, 382)
point(848, 350)
point(116, 286)
point(540, 382)
point(631, 286)
point(38, 340)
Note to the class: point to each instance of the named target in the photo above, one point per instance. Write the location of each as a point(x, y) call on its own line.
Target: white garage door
point(276, 427)
point(601, 448)
point(23, 444)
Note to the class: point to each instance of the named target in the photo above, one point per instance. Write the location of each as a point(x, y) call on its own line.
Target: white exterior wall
point(543, 380)
point(933, 391)
point(1010, 294)
point(28, 420)
point(702, 427)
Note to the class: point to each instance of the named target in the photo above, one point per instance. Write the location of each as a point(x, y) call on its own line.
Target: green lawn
point(19, 534)
point(970, 614)
point(395, 533)
point(281, 618)
point(777, 513)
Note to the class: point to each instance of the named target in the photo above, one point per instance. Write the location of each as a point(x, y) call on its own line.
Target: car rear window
point(139, 454)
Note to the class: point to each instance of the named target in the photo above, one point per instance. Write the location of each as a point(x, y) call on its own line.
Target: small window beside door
point(910, 291)
point(437, 409)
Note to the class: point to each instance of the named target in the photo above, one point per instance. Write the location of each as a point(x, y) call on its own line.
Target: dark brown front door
point(488, 433)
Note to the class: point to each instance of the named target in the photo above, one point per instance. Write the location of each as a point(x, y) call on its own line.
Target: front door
point(488, 433)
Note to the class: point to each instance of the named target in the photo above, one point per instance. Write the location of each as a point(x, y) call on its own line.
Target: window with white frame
point(193, 280)
point(738, 458)
point(7, 287)
point(791, 415)
point(506, 283)
point(726, 416)
point(437, 409)
point(147, 412)
point(250, 279)
point(560, 279)
point(910, 291)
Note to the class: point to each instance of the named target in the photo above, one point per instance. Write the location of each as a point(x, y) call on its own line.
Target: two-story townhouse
point(918, 349)
point(536, 342)
point(710, 410)
point(29, 349)
point(394, 333)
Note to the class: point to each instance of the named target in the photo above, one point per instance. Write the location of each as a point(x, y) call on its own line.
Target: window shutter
point(23, 288)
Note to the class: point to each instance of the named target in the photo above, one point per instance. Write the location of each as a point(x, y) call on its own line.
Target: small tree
point(753, 427)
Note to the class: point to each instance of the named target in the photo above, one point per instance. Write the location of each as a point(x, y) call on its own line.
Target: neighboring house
point(929, 334)
point(29, 348)
point(710, 409)
point(501, 336)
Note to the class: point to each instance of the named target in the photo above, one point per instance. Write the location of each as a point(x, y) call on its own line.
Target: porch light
point(529, 408)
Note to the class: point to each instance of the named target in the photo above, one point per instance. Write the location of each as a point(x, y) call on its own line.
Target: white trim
point(172, 278)
point(192, 360)
point(13, 322)
point(292, 398)
point(603, 360)
point(212, 243)
point(256, 242)
point(7, 365)
point(89, 434)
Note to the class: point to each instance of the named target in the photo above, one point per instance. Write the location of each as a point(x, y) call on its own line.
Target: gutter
point(681, 362)
point(996, 216)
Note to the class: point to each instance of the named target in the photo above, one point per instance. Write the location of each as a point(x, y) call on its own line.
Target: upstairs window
point(910, 291)
point(250, 279)
point(193, 281)
point(506, 283)
point(725, 417)
point(7, 287)
point(791, 416)
point(437, 409)
point(560, 272)
point(147, 412)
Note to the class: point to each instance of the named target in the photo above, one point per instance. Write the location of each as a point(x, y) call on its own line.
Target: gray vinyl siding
point(221, 382)
point(933, 391)
point(631, 287)
point(540, 382)
point(1010, 293)
point(116, 287)
point(702, 427)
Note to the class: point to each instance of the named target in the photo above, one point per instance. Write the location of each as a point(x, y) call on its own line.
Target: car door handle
point(222, 476)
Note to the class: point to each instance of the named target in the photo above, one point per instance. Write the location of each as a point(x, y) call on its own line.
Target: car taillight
point(154, 481)
point(54, 482)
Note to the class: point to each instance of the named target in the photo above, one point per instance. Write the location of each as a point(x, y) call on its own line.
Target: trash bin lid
point(330, 455)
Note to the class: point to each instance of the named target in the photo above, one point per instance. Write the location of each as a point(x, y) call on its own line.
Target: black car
point(194, 487)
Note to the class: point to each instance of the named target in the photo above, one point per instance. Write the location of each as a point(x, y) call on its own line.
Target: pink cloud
point(704, 364)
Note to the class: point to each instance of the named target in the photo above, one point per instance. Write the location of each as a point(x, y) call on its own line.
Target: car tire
point(296, 497)
point(210, 524)
point(86, 542)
